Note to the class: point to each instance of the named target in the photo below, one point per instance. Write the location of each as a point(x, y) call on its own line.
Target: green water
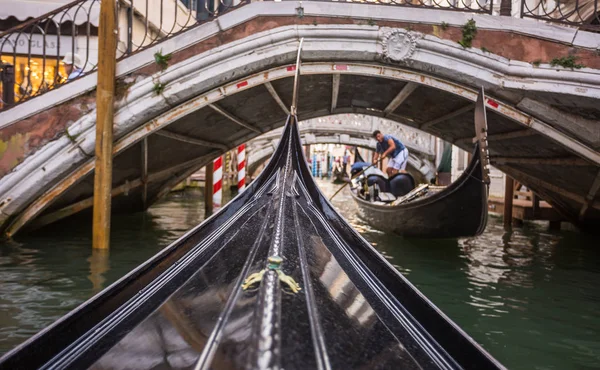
point(530, 297)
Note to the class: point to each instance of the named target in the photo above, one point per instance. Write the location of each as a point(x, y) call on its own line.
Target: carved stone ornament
point(399, 45)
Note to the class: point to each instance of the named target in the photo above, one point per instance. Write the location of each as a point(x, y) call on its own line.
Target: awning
point(87, 11)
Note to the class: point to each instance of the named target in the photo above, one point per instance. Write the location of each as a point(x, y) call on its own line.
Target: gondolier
point(389, 146)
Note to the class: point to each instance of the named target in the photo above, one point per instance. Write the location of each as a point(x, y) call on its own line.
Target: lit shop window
point(35, 75)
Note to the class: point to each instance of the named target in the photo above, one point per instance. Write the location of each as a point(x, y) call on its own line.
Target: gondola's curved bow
point(275, 280)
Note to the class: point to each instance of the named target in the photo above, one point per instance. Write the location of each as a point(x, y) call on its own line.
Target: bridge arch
point(261, 151)
point(205, 109)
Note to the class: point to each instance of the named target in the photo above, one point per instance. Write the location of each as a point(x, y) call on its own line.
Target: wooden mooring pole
point(105, 91)
point(208, 189)
point(509, 188)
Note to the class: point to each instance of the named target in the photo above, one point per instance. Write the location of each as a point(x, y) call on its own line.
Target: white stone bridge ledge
point(218, 97)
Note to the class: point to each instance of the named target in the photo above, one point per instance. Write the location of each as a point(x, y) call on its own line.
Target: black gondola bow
point(275, 280)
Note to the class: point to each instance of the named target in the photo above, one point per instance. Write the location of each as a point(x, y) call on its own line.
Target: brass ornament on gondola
point(274, 264)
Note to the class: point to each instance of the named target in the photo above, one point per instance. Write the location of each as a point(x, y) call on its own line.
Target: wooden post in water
point(509, 188)
point(105, 92)
point(535, 204)
point(208, 189)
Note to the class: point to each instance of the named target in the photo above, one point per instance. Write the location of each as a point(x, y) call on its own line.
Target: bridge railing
point(49, 51)
point(471, 6)
point(579, 13)
point(365, 125)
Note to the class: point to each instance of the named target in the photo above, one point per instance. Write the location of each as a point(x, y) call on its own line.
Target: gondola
point(340, 177)
point(274, 280)
point(459, 210)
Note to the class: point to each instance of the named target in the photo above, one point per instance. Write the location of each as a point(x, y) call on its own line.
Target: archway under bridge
point(163, 138)
point(351, 130)
point(421, 169)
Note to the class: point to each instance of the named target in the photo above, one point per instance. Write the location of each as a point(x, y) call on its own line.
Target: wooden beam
point(208, 189)
point(81, 205)
point(508, 201)
point(569, 161)
point(121, 189)
point(166, 188)
point(234, 119)
point(105, 95)
point(589, 199)
point(511, 135)
point(190, 140)
point(335, 90)
point(535, 205)
point(145, 172)
point(276, 97)
point(529, 180)
point(446, 117)
point(406, 91)
point(497, 137)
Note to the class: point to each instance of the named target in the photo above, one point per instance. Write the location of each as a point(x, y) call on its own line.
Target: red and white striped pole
point(217, 181)
point(241, 170)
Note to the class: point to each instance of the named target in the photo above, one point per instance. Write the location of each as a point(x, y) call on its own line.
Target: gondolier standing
point(389, 146)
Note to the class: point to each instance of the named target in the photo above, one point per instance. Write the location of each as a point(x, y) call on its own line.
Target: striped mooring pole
point(241, 167)
point(217, 181)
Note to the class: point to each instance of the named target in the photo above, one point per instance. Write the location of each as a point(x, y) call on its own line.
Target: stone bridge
point(230, 80)
point(354, 130)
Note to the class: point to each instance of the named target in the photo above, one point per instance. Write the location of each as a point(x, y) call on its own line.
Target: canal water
point(530, 297)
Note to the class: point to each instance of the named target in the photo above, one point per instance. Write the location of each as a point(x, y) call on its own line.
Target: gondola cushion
point(380, 181)
point(401, 184)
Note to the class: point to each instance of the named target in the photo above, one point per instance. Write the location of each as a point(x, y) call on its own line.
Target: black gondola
point(276, 279)
point(340, 177)
point(459, 210)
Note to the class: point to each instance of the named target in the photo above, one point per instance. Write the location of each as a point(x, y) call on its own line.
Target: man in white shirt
point(73, 66)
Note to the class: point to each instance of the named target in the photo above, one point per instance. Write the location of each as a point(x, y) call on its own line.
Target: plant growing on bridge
point(469, 31)
point(536, 63)
point(444, 26)
point(371, 22)
point(566, 62)
point(159, 88)
point(72, 138)
point(162, 60)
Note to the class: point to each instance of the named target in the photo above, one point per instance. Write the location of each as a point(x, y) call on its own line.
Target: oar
point(353, 177)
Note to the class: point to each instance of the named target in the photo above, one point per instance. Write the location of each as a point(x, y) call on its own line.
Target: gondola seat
point(399, 184)
point(381, 182)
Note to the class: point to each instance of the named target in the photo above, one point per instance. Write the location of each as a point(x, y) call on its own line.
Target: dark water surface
point(530, 297)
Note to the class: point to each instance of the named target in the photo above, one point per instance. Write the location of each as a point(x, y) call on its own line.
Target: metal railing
point(43, 53)
point(583, 14)
point(61, 46)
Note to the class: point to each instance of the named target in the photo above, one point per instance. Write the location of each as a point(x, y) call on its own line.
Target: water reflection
point(528, 296)
point(99, 264)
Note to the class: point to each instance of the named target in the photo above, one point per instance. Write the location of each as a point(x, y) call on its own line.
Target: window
point(34, 75)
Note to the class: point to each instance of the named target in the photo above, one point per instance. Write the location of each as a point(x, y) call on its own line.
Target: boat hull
point(274, 280)
point(460, 210)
